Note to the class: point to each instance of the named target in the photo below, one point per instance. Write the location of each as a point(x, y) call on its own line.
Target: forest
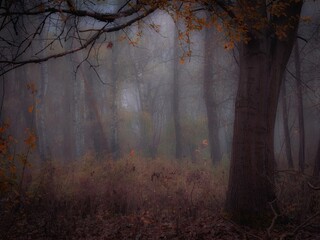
point(160, 119)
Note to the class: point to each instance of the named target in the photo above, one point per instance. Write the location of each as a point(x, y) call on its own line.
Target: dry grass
point(137, 198)
point(63, 196)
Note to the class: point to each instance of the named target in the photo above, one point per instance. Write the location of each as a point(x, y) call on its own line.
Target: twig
point(313, 187)
point(240, 229)
point(276, 215)
point(302, 225)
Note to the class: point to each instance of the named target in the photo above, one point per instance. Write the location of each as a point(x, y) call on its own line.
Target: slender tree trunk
point(100, 140)
point(211, 106)
point(78, 116)
point(114, 141)
point(40, 114)
point(262, 63)
point(287, 139)
point(297, 64)
point(176, 99)
point(143, 107)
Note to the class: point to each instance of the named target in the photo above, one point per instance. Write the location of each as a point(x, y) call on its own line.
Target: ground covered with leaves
point(146, 199)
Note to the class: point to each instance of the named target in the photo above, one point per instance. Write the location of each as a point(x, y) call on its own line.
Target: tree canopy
point(85, 23)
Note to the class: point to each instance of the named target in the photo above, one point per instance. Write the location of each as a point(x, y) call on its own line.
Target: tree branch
point(15, 64)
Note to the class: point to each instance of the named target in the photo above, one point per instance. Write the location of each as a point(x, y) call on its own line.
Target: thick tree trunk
point(286, 130)
point(297, 64)
point(262, 63)
point(251, 174)
point(211, 106)
point(176, 100)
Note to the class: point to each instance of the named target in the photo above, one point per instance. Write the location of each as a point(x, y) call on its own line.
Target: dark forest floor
point(147, 227)
point(139, 199)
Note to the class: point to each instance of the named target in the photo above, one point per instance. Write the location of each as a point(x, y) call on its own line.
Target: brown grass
point(136, 198)
point(63, 196)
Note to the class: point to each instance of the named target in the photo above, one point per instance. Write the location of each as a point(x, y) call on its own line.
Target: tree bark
point(211, 105)
point(262, 63)
point(297, 64)
point(286, 130)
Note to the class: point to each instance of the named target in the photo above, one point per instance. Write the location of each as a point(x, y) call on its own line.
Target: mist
point(111, 130)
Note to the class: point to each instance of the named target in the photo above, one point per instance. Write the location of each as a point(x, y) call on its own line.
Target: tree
point(285, 120)
point(176, 99)
point(211, 105)
point(263, 58)
point(40, 115)
point(114, 141)
point(297, 64)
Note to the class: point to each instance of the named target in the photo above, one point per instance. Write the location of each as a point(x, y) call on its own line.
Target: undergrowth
point(62, 196)
point(136, 198)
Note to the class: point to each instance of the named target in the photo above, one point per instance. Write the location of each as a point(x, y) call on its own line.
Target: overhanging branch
point(12, 64)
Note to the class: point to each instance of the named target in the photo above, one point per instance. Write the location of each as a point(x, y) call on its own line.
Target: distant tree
point(40, 113)
point(285, 120)
point(176, 98)
point(115, 90)
point(209, 98)
point(299, 97)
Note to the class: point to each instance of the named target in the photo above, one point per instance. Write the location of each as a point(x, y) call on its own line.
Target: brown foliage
point(142, 199)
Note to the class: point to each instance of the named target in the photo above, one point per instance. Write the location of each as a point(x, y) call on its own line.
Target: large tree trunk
point(262, 63)
point(297, 64)
point(251, 174)
point(211, 105)
point(286, 130)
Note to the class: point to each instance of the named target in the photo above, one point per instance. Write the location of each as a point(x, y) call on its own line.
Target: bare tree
point(298, 80)
point(176, 99)
point(209, 98)
point(285, 120)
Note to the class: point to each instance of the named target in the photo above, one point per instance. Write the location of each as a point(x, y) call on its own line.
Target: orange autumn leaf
point(3, 148)
point(30, 109)
point(31, 139)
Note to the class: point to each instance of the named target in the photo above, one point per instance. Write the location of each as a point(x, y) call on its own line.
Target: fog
point(119, 96)
point(139, 121)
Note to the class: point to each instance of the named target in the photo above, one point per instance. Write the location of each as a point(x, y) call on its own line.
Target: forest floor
point(145, 199)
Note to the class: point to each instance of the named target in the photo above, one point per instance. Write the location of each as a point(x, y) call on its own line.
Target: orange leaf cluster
point(31, 139)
